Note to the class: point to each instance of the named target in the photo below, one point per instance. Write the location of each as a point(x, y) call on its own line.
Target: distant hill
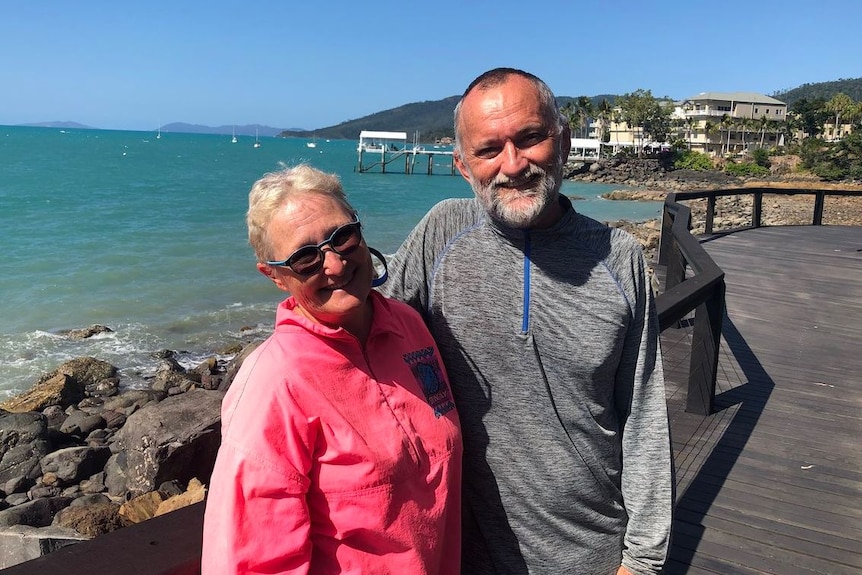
point(74, 125)
point(432, 119)
point(246, 130)
point(825, 90)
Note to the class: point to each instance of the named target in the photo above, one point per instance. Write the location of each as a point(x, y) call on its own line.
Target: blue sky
point(289, 64)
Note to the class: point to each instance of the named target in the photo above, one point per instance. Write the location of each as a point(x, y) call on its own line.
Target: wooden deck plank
point(772, 482)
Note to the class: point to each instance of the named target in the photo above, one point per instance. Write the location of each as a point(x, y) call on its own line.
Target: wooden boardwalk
point(772, 482)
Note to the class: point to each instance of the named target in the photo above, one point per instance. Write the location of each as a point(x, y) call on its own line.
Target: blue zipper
point(525, 318)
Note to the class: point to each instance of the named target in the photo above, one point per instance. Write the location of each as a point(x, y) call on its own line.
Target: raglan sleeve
point(257, 517)
point(648, 478)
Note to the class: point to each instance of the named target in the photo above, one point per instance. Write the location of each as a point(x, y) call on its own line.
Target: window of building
point(755, 110)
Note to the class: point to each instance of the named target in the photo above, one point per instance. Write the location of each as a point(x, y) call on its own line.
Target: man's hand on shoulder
point(623, 571)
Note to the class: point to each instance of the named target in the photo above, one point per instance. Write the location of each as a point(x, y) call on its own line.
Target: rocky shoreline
point(80, 456)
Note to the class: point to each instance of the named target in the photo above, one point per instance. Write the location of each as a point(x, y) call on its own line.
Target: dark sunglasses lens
point(305, 261)
point(346, 237)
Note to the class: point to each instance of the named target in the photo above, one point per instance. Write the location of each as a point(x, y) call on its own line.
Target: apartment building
point(722, 123)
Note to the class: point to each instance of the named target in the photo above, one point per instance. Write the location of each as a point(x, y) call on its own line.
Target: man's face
point(511, 154)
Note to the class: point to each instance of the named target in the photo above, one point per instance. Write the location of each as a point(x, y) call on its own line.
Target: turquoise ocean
point(146, 235)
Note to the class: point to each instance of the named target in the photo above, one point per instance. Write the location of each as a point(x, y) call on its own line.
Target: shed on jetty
point(388, 147)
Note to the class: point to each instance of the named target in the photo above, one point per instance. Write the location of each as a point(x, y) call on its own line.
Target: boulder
point(37, 513)
point(59, 389)
point(195, 493)
point(24, 440)
point(91, 520)
point(130, 401)
point(86, 332)
point(177, 438)
point(22, 543)
point(64, 386)
point(74, 464)
point(142, 507)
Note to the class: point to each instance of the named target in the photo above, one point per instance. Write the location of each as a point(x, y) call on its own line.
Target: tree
point(570, 113)
point(812, 115)
point(725, 123)
point(645, 115)
point(585, 113)
point(746, 124)
point(603, 116)
point(689, 127)
point(840, 105)
point(709, 128)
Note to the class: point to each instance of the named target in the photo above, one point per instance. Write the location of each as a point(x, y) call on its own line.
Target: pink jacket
point(335, 458)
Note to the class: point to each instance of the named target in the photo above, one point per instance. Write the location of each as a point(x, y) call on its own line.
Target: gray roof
point(751, 97)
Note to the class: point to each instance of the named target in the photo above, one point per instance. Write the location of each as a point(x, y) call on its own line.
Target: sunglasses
point(308, 260)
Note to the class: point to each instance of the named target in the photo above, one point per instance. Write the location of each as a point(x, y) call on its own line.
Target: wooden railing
point(171, 544)
point(702, 291)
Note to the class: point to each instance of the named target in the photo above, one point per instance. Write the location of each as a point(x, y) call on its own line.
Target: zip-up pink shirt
point(335, 458)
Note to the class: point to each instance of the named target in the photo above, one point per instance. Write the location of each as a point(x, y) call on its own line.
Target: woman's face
point(337, 293)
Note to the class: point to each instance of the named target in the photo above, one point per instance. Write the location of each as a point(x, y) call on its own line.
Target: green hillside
point(822, 90)
point(432, 119)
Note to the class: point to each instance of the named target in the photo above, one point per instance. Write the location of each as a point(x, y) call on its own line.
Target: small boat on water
point(256, 141)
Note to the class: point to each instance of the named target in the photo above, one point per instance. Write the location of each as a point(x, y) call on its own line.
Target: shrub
point(745, 169)
point(761, 157)
point(691, 160)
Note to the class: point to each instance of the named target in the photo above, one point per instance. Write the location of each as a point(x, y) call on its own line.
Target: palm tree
point(689, 127)
point(745, 124)
point(570, 114)
point(726, 123)
point(841, 105)
point(709, 128)
point(763, 123)
point(603, 115)
point(585, 106)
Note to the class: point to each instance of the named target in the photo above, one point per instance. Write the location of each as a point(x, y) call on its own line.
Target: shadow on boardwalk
point(771, 482)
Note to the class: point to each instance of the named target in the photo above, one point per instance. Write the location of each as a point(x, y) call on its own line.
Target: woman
point(341, 446)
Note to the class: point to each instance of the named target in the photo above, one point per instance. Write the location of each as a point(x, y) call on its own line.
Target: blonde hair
point(274, 189)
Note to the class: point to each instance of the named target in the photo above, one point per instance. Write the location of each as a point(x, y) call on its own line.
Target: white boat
point(312, 143)
point(256, 141)
point(233, 139)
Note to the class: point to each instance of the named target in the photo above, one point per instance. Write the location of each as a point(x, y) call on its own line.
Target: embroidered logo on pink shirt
point(426, 369)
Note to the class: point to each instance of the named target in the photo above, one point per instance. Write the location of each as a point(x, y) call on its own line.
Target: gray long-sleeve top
point(550, 338)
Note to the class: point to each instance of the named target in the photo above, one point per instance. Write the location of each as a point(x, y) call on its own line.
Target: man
point(546, 323)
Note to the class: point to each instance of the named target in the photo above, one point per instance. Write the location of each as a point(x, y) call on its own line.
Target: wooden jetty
point(389, 152)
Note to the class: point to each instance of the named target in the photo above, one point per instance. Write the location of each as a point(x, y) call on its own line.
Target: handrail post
point(705, 343)
point(819, 200)
point(710, 214)
point(666, 238)
point(757, 209)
